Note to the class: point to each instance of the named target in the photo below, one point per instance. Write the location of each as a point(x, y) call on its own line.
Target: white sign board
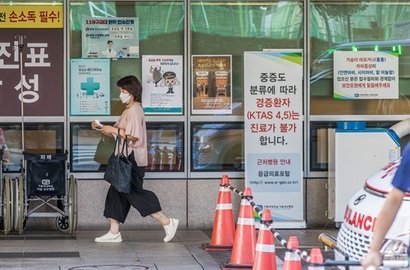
point(274, 133)
point(110, 37)
point(365, 75)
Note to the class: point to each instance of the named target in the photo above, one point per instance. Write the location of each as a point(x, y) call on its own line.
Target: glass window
point(160, 23)
point(217, 147)
point(319, 141)
point(358, 26)
point(232, 27)
point(229, 28)
point(38, 138)
point(165, 148)
point(161, 26)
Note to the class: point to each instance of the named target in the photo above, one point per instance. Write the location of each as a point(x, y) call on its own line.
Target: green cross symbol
point(90, 86)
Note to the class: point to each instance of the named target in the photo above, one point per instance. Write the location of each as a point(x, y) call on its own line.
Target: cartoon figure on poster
point(170, 79)
point(109, 51)
point(156, 75)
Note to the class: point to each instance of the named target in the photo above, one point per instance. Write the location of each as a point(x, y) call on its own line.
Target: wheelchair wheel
point(72, 208)
point(6, 197)
point(21, 223)
point(17, 195)
point(12, 200)
point(62, 223)
point(69, 222)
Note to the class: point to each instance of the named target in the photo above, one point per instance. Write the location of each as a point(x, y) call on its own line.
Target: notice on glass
point(366, 75)
point(162, 77)
point(110, 37)
point(90, 87)
point(211, 84)
point(273, 130)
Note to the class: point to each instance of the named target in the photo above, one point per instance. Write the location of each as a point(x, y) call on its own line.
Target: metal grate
point(351, 243)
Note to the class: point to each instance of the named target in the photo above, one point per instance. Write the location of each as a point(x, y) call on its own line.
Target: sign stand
point(20, 45)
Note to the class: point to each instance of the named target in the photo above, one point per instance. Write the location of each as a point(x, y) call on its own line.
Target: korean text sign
point(31, 62)
point(90, 87)
point(273, 131)
point(365, 75)
point(162, 83)
point(31, 16)
point(110, 37)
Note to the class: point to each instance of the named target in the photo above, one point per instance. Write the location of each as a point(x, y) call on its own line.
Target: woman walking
point(117, 204)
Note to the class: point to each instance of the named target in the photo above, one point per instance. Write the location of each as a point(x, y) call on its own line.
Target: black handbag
point(119, 167)
point(104, 149)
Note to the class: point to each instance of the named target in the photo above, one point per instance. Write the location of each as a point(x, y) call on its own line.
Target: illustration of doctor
point(109, 52)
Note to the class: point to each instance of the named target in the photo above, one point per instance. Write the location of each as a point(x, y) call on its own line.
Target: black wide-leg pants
point(117, 204)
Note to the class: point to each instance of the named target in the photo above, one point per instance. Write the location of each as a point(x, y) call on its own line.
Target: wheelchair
point(4, 199)
point(45, 188)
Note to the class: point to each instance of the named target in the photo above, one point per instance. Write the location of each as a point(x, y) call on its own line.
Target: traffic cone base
point(228, 266)
point(214, 247)
point(292, 260)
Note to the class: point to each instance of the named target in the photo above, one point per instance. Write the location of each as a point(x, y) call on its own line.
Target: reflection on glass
point(217, 147)
point(38, 138)
point(320, 141)
point(359, 26)
point(319, 145)
point(84, 145)
point(91, 150)
point(160, 32)
point(232, 27)
point(165, 147)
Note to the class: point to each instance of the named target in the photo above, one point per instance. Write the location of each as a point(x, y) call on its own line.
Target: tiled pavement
point(140, 249)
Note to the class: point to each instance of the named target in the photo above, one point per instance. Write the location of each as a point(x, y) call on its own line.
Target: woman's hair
point(132, 85)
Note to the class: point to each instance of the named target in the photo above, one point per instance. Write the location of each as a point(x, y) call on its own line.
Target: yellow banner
point(31, 16)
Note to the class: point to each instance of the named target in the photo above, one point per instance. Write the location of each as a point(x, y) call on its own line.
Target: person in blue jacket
point(401, 185)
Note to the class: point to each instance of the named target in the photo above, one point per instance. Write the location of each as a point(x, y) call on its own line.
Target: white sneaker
point(171, 229)
point(109, 238)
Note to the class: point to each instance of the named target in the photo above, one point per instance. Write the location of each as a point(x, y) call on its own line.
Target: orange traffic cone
point(315, 259)
point(292, 259)
point(224, 229)
point(243, 251)
point(3, 146)
point(265, 255)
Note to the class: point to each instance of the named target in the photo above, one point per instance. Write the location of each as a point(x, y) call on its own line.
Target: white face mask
point(125, 98)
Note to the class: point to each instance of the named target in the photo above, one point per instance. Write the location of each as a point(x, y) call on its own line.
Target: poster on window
point(211, 84)
point(273, 129)
point(162, 77)
point(90, 87)
point(365, 75)
point(110, 37)
point(31, 61)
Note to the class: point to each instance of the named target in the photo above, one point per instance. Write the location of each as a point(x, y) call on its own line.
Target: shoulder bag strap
point(117, 142)
point(125, 144)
